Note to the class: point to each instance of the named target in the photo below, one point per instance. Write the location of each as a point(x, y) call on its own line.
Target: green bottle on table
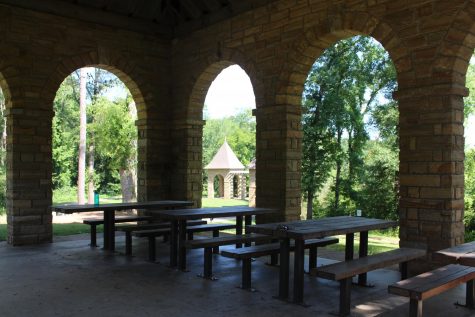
point(96, 198)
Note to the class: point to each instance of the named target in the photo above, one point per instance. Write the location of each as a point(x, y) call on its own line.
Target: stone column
point(242, 186)
point(153, 154)
point(228, 186)
point(278, 159)
point(186, 165)
point(431, 169)
point(211, 177)
point(252, 187)
point(29, 168)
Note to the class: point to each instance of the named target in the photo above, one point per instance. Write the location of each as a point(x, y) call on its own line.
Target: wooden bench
point(426, 285)
point(247, 253)
point(344, 271)
point(210, 243)
point(94, 222)
point(128, 229)
point(153, 233)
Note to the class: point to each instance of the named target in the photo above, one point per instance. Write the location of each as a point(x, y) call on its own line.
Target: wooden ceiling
point(167, 17)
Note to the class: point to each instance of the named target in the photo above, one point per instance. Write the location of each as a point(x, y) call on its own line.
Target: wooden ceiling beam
point(80, 12)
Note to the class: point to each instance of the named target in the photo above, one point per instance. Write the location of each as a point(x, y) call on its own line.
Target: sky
point(230, 92)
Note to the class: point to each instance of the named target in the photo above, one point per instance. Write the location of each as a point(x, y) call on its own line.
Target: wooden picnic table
point(109, 213)
point(179, 219)
point(461, 254)
point(314, 229)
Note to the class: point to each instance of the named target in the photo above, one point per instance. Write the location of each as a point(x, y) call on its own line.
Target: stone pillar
point(211, 177)
point(186, 165)
point(431, 169)
point(228, 186)
point(153, 154)
point(29, 168)
point(278, 159)
point(252, 187)
point(242, 186)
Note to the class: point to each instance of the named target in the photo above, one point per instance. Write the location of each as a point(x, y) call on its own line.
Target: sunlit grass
point(59, 229)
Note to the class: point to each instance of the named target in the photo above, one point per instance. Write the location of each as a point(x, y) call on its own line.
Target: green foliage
point(349, 85)
point(469, 101)
point(114, 132)
point(114, 149)
point(240, 132)
point(378, 196)
point(66, 133)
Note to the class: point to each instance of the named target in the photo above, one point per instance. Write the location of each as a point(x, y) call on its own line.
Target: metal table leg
point(181, 245)
point(299, 256)
point(284, 268)
point(109, 230)
point(174, 243)
point(238, 229)
point(363, 278)
point(349, 246)
point(247, 222)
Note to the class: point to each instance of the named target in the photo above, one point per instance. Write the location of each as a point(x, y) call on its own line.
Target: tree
point(345, 85)
point(82, 137)
point(115, 134)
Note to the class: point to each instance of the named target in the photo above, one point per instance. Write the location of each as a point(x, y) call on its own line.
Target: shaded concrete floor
point(68, 278)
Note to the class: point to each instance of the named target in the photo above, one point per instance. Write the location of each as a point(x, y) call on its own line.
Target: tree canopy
point(348, 97)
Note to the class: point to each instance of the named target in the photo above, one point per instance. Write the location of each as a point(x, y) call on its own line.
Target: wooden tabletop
point(73, 208)
point(319, 228)
point(462, 254)
point(198, 213)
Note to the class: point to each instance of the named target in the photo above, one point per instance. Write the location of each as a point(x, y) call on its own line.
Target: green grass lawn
point(221, 202)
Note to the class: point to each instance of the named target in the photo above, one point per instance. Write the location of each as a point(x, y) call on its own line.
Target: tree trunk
point(309, 205)
point(338, 173)
point(90, 188)
point(127, 185)
point(82, 137)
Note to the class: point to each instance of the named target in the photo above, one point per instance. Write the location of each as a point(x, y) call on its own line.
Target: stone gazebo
point(226, 166)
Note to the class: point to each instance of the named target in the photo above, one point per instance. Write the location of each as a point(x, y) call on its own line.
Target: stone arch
point(211, 70)
point(316, 39)
point(456, 50)
point(118, 65)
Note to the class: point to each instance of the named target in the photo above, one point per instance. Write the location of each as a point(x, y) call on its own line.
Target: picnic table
point(109, 213)
point(463, 254)
point(314, 229)
point(179, 218)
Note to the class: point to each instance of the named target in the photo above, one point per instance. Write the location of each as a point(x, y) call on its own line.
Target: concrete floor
point(68, 278)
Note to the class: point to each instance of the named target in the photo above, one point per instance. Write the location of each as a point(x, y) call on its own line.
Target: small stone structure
point(230, 171)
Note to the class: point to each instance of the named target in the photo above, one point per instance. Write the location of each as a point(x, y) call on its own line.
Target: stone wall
point(37, 52)
point(430, 42)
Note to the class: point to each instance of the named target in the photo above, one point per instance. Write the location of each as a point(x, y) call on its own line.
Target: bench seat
point(426, 285)
point(246, 254)
point(344, 271)
point(128, 229)
point(151, 234)
point(209, 243)
point(94, 222)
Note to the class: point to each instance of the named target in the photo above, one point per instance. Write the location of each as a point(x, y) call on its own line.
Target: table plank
point(73, 208)
point(319, 228)
point(198, 213)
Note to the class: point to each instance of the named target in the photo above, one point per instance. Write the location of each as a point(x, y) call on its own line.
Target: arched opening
point(229, 133)
point(469, 162)
point(94, 139)
point(350, 126)
point(218, 186)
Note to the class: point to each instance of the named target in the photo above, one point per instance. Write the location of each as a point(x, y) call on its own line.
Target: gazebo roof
point(225, 159)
